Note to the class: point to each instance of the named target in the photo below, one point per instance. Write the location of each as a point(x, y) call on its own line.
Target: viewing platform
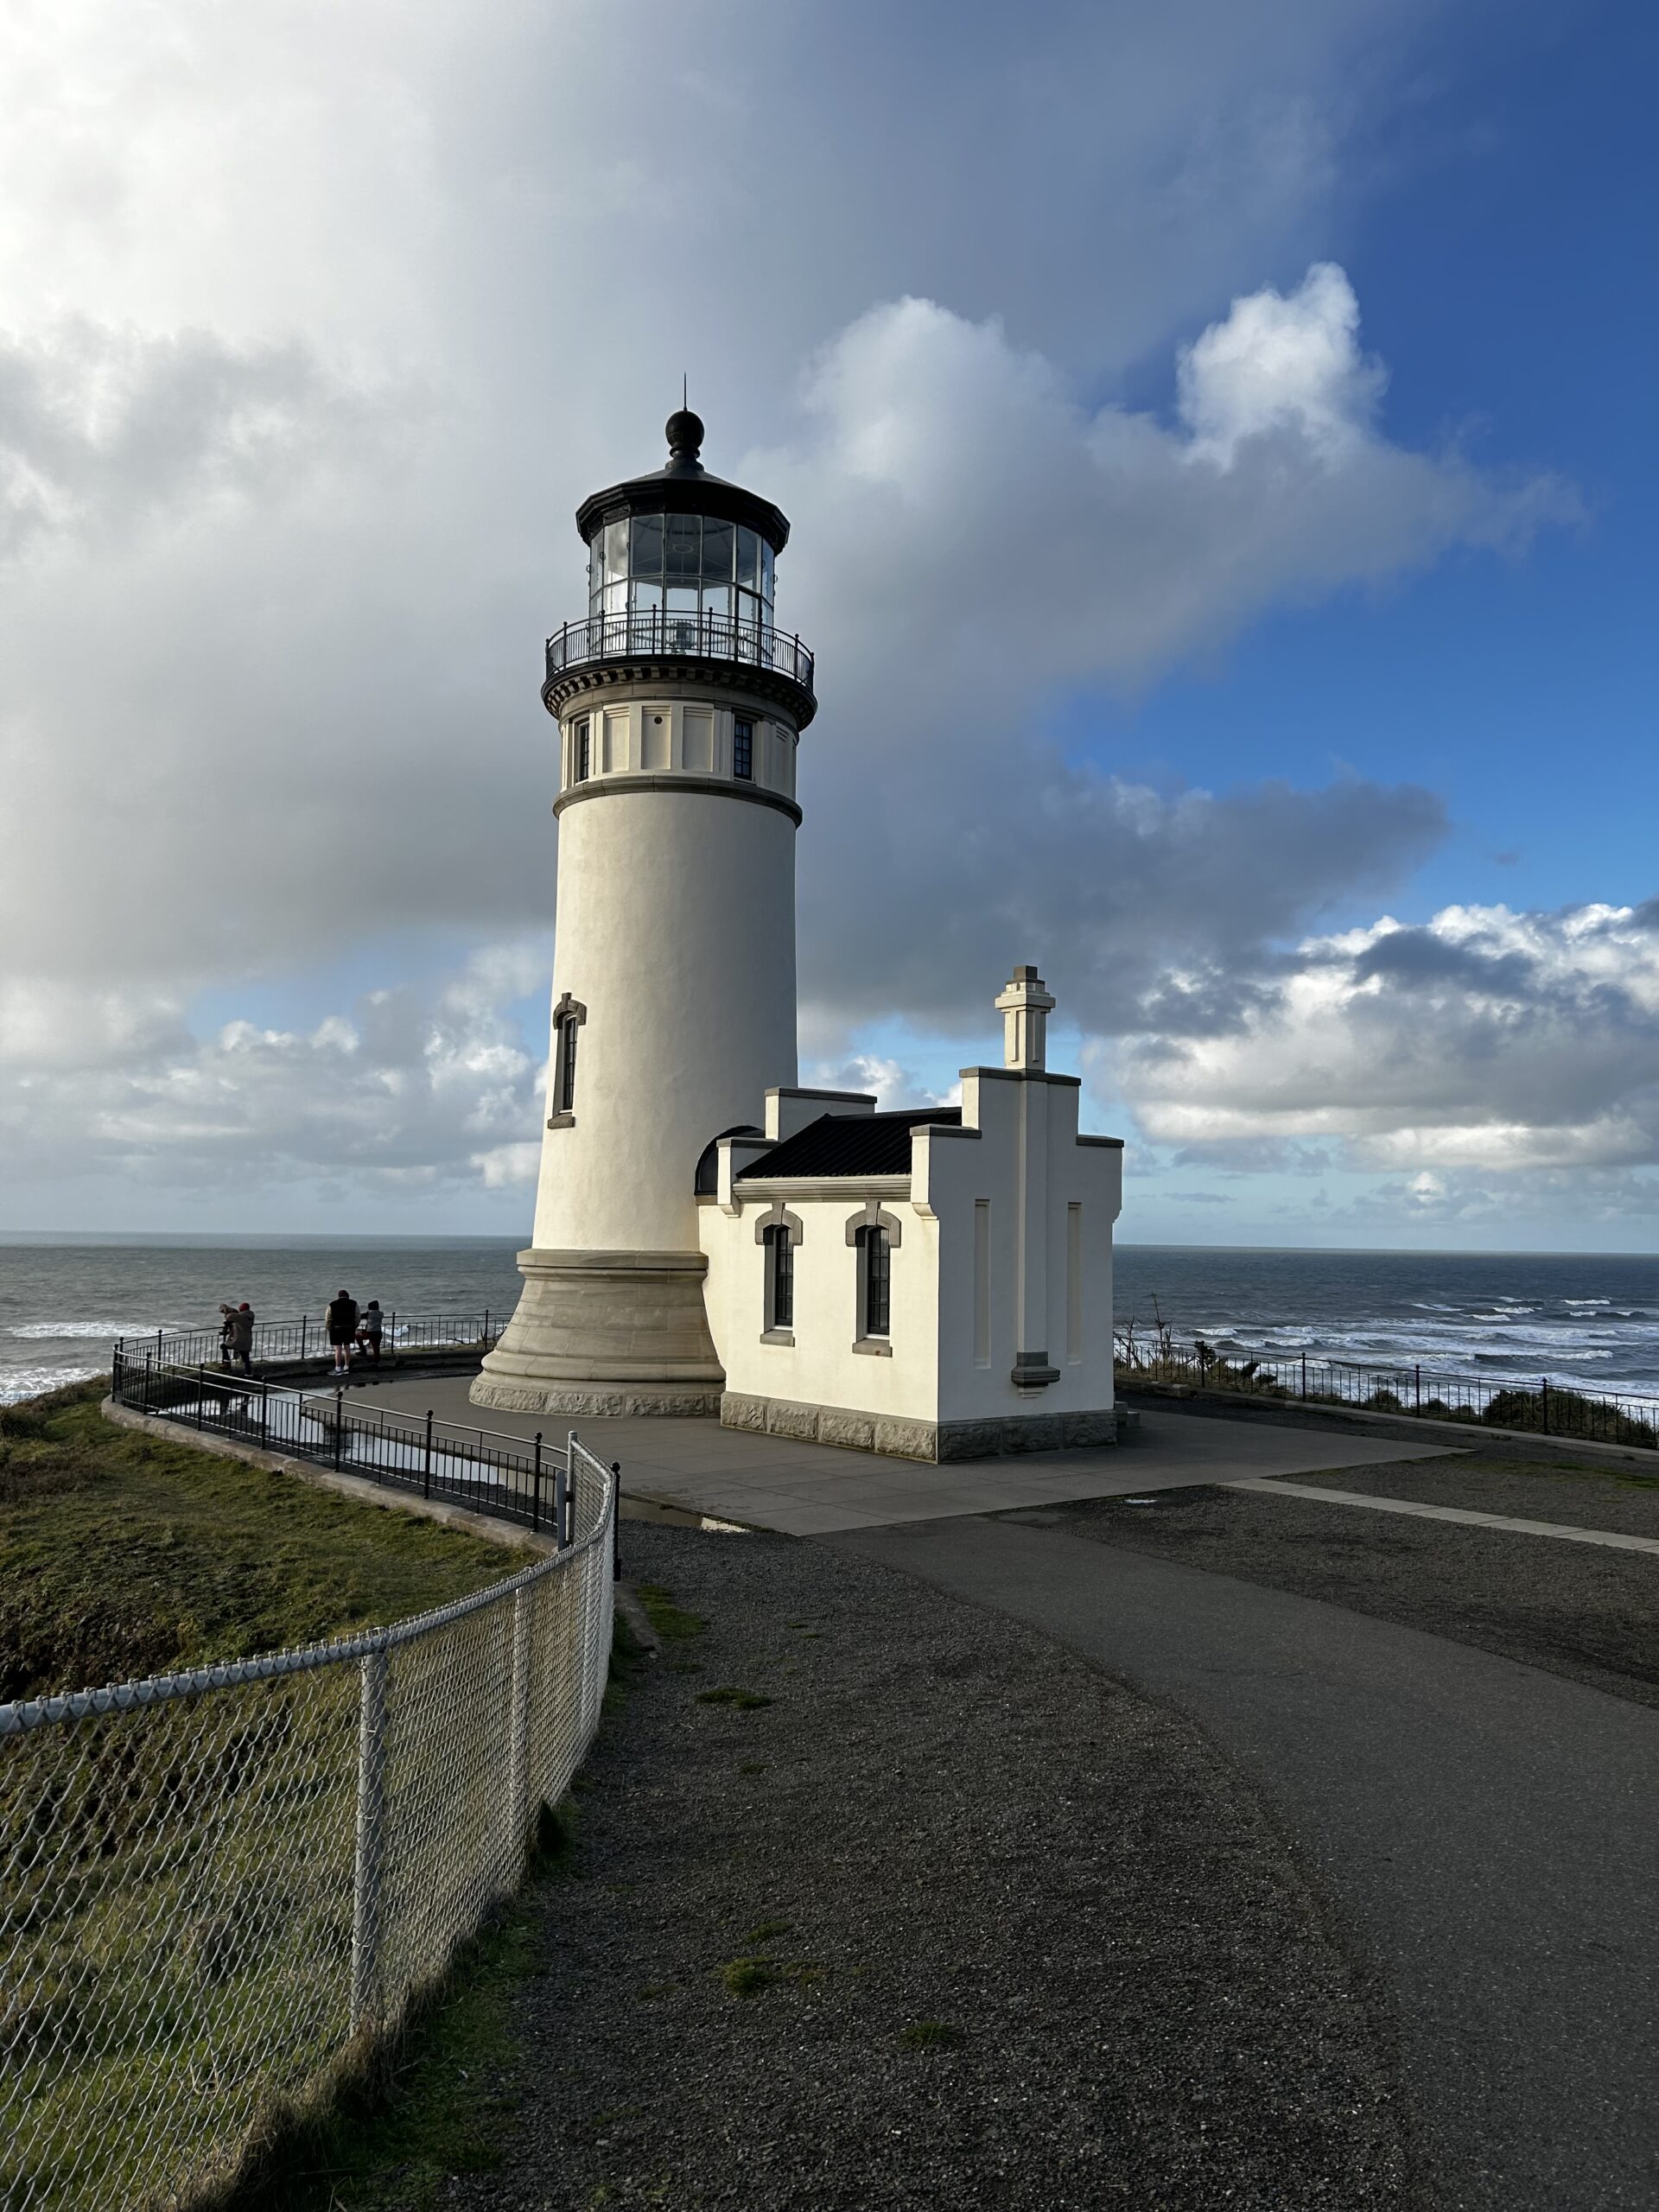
point(772, 663)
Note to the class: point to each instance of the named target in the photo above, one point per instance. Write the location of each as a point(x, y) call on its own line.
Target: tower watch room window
point(743, 748)
point(875, 1282)
point(582, 751)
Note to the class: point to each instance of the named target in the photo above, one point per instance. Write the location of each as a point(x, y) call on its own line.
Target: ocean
point(1589, 1322)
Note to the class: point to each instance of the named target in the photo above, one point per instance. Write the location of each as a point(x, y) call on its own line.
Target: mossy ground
point(125, 1555)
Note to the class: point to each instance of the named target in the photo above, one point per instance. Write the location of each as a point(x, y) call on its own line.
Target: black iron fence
point(1547, 1408)
point(526, 1480)
point(700, 636)
point(279, 1341)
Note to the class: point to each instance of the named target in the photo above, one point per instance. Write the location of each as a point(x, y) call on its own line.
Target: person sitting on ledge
point(369, 1328)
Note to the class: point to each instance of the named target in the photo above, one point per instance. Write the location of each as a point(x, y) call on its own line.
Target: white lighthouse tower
point(680, 707)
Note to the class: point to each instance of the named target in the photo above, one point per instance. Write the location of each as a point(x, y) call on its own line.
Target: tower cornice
point(749, 677)
point(672, 779)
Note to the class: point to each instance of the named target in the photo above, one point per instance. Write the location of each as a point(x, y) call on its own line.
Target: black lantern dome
point(683, 487)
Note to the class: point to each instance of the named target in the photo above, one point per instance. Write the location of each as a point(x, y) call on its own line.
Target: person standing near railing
point(342, 1329)
point(370, 1329)
point(236, 1337)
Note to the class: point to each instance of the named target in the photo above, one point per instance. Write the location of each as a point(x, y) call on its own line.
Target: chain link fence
point(220, 1890)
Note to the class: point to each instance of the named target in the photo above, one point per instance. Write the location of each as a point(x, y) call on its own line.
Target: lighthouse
point(680, 705)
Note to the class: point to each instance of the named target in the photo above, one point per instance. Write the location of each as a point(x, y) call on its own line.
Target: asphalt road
point(1488, 1833)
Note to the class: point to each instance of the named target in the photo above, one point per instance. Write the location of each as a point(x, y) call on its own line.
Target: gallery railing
point(651, 632)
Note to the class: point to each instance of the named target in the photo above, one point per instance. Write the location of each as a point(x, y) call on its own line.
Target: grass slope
point(124, 1554)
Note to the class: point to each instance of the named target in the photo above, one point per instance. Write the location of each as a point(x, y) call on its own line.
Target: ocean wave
point(29, 1381)
point(37, 1331)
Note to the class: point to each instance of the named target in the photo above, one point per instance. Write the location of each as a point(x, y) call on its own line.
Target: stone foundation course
point(934, 1441)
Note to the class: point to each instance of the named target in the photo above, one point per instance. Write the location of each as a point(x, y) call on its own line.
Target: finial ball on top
point(684, 434)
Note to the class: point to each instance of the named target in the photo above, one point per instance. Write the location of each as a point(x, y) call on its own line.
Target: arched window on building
point(875, 1282)
point(780, 1278)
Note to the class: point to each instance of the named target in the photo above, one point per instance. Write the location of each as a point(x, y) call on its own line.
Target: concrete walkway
point(1490, 1835)
point(805, 1490)
point(1259, 1487)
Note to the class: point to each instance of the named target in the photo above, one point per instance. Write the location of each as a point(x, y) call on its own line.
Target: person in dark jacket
point(370, 1329)
point(342, 1329)
point(236, 1337)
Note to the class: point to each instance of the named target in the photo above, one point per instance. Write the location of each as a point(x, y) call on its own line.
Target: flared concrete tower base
point(606, 1332)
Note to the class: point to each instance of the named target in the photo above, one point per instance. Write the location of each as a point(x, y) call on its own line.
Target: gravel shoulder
point(952, 1921)
point(1577, 1610)
point(1570, 1491)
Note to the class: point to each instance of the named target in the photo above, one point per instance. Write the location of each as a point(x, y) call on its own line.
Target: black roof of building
point(683, 487)
point(849, 1144)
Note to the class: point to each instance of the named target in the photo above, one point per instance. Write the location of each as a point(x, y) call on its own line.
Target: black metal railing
point(695, 637)
point(280, 1342)
point(1534, 1404)
point(526, 1480)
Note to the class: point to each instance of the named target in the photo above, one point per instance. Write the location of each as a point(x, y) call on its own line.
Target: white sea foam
point(37, 1331)
point(29, 1381)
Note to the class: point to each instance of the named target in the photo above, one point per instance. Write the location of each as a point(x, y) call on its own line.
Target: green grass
point(125, 1555)
point(740, 1700)
point(445, 2104)
point(672, 1622)
point(768, 1932)
point(149, 1938)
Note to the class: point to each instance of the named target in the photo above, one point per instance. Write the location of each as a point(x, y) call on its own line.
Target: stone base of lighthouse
point(606, 1332)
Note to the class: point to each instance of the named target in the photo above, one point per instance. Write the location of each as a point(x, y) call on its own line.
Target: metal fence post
point(569, 1536)
point(370, 1840)
point(561, 1493)
point(616, 1520)
point(340, 1424)
point(518, 1734)
point(426, 1471)
point(536, 1494)
point(1543, 1395)
point(305, 1323)
point(1304, 1374)
point(264, 1414)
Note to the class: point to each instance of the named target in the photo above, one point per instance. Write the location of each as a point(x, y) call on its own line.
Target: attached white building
point(934, 1284)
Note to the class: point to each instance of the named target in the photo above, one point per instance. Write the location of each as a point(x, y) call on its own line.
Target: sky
point(1218, 444)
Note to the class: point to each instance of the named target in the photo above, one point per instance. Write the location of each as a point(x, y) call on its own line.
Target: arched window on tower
point(568, 1018)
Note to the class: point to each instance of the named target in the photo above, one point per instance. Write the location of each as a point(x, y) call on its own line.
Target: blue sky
point(1314, 345)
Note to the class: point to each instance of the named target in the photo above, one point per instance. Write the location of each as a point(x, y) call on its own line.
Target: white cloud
point(303, 376)
point(1489, 1042)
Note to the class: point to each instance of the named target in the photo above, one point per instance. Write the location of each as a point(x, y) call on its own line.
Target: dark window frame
point(582, 750)
point(780, 1277)
point(564, 1078)
point(743, 747)
point(875, 1282)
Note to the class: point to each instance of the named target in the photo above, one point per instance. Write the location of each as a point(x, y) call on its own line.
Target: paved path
point(1490, 1835)
point(1260, 1488)
point(806, 1490)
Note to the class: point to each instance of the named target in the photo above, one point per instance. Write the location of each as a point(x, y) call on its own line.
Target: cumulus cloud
point(410, 1089)
point(1484, 1044)
point(289, 442)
